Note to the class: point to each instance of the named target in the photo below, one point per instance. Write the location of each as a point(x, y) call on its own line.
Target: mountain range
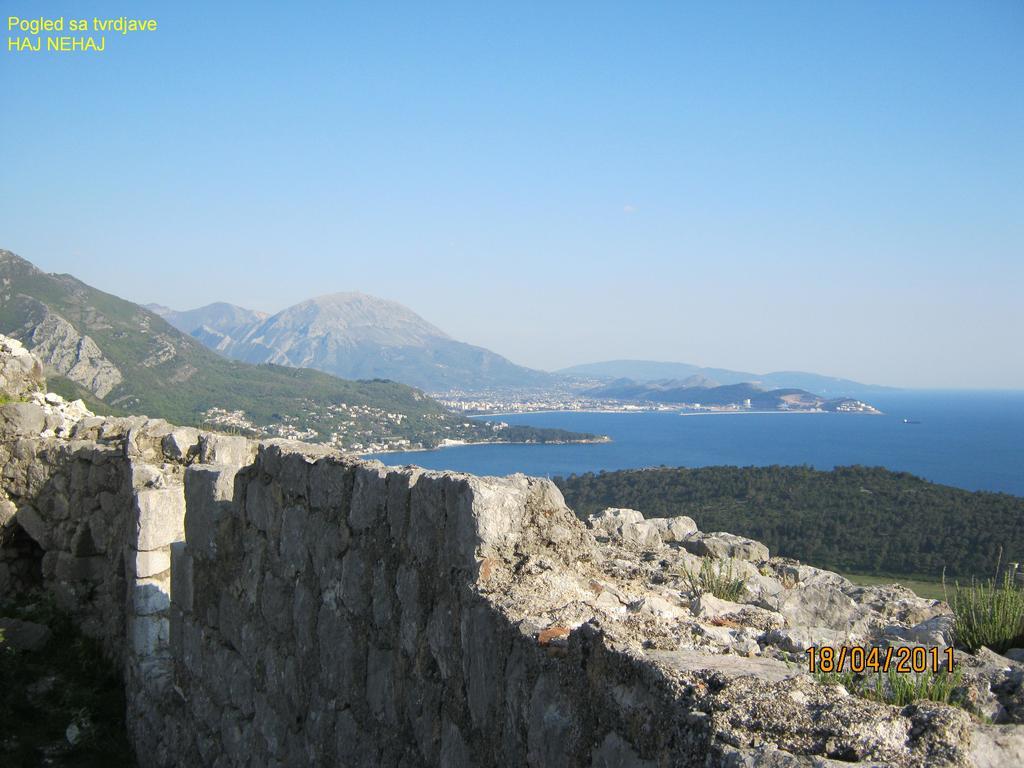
point(650, 370)
point(123, 358)
point(356, 336)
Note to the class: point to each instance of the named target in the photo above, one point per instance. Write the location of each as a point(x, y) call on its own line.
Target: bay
point(968, 439)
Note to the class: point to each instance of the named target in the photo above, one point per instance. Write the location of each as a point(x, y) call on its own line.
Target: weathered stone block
point(337, 662)
point(380, 685)
point(182, 577)
point(454, 752)
point(34, 525)
point(616, 752)
point(7, 511)
point(383, 595)
point(355, 584)
point(399, 495)
point(150, 595)
point(330, 487)
point(293, 476)
point(83, 544)
point(482, 515)
point(225, 449)
point(181, 444)
point(159, 517)
point(209, 491)
point(151, 563)
point(293, 550)
point(263, 505)
point(71, 568)
point(231, 618)
point(275, 603)
point(156, 673)
point(148, 634)
point(369, 495)
point(426, 517)
point(482, 678)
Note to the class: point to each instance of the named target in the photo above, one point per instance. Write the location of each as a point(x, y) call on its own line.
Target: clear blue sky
point(827, 186)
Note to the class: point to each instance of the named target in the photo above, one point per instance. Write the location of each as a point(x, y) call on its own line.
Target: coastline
point(458, 444)
point(675, 412)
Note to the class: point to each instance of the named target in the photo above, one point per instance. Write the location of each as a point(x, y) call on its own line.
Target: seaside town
point(499, 402)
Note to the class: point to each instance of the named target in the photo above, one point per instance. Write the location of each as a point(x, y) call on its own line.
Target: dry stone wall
point(326, 612)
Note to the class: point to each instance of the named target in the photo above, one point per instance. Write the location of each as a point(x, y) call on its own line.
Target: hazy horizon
point(796, 186)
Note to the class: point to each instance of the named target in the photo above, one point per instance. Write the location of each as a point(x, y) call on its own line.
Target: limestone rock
point(799, 639)
point(21, 374)
point(22, 420)
point(674, 528)
point(628, 526)
point(724, 545)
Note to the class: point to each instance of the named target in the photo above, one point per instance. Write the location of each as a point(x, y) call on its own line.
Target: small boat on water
point(910, 421)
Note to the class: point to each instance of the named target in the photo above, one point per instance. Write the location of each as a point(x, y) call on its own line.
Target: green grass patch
point(69, 681)
point(922, 586)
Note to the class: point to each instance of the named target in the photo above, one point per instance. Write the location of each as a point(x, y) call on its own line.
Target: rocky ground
point(743, 661)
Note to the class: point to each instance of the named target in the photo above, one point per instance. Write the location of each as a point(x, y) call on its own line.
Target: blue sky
point(827, 186)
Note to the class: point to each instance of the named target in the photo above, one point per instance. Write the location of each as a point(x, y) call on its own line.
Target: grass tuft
point(717, 577)
point(898, 688)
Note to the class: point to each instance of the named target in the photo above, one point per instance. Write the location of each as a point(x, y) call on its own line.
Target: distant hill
point(859, 519)
point(354, 335)
point(121, 357)
point(649, 370)
point(690, 390)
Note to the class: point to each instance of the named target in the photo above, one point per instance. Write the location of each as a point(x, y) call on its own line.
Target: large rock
point(822, 606)
point(674, 528)
point(627, 526)
point(22, 420)
point(722, 545)
point(21, 373)
point(609, 522)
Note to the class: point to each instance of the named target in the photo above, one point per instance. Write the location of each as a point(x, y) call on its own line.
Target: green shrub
point(716, 577)
point(989, 614)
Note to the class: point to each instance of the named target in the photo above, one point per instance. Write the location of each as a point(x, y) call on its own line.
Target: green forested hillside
point(864, 519)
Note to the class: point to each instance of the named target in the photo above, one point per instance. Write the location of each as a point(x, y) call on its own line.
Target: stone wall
point(331, 612)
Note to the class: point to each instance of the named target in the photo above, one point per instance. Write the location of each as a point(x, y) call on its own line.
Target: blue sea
point(972, 440)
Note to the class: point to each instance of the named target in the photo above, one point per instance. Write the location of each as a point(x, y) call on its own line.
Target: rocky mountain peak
point(357, 317)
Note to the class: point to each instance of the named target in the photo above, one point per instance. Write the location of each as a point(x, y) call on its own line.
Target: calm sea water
point(973, 440)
